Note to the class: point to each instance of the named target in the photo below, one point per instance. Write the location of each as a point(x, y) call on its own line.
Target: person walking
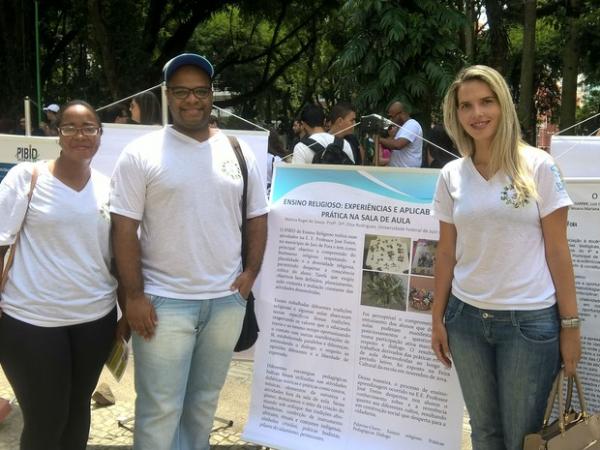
point(185, 287)
point(58, 307)
point(505, 311)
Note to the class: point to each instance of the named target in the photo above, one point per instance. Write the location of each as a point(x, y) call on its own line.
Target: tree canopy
point(273, 56)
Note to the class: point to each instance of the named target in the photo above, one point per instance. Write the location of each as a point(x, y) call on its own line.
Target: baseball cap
point(52, 107)
point(187, 59)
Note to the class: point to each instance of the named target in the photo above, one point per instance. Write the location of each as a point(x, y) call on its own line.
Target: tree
point(570, 64)
point(408, 52)
point(526, 95)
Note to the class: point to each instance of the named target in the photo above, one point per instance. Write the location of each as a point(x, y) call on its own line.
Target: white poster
point(584, 241)
point(577, 156)
point(15, 149)
point(344, 358)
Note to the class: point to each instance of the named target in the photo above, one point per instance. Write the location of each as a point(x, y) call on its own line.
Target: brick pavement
point(106, 434)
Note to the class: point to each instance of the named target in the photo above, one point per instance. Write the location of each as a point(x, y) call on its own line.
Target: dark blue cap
point(187, 59)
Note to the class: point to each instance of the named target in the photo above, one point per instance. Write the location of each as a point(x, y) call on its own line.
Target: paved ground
point(106, 434)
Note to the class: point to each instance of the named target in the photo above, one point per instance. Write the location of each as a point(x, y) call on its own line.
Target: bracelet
point(570, 322)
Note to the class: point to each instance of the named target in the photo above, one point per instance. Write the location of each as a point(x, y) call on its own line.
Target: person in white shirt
point(505, 306)
point(312, 119)
point(184, 282)
point(58, 306)
point(407, 142)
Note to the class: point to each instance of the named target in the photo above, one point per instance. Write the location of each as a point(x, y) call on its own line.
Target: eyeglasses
point(70, 131)
point(180, 92)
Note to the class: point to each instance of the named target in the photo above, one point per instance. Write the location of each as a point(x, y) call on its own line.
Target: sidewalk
point(106, 434)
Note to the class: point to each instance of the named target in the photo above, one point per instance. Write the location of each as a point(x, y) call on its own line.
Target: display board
point(577, 156)
point(15, 149)
point(344, 359)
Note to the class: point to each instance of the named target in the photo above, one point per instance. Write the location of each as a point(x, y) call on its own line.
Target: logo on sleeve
point(509, 196)
point(559, 183)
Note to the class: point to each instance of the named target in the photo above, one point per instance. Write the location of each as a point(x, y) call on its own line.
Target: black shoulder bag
point(250, 329)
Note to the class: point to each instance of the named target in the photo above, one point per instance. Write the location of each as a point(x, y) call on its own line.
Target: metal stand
point(126, 422)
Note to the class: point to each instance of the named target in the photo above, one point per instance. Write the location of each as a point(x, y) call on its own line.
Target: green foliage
point(405, 50)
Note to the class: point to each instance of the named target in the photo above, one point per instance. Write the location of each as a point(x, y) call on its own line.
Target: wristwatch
point(570, 322)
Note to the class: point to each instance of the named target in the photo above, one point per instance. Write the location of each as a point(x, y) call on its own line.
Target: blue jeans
point(506, 362)
point(179, 373)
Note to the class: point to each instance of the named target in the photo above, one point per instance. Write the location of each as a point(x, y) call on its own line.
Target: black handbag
point(250, 329)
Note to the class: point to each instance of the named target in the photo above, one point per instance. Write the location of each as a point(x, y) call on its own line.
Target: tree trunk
point(106, 54)
point(526, 112)
point(570, 66)
point(469, 30)
point(498, 35)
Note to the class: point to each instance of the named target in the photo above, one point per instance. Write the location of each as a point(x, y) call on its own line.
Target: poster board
point(577, 156)
point(15, 149)
point(344, 358)
point(583, 232)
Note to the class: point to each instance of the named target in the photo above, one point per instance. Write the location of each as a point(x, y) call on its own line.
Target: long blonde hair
point(507, 145)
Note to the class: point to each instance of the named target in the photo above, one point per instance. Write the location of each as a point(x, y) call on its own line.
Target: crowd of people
point(162, 239)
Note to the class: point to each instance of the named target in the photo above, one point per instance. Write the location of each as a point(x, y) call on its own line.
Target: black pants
point(53, 372)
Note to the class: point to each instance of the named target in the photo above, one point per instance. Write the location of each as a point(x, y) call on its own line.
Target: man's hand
point(243, 283)
point(141, 316)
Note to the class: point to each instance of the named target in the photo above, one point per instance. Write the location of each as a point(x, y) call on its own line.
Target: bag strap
point(557, 391)
point(11, 251)
point(235, 144)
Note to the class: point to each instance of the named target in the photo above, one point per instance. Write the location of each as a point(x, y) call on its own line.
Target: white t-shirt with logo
point(304, 154)
point(500, 255)
point(61, 271)
point(411, 154)
point(187, 195)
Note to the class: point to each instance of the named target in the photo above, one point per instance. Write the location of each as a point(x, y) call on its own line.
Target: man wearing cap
point(183, 277)
point(49, 127)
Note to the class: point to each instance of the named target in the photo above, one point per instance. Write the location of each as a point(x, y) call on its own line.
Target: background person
point(312, 119)
point(145, 109)
point(407, 144)
point(58, 306)
point(342, 119)
point(185, 287)
point(503, 277)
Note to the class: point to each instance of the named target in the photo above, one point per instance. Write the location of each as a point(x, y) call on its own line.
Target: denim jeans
point(506, 362)
point(179, 373)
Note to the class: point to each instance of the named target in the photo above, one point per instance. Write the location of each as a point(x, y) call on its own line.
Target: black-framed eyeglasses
point(180, 92)
point(69, 131)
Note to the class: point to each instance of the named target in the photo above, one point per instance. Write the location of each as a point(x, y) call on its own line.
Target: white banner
point(344, 358)
point(577, 156)
point(15, 149)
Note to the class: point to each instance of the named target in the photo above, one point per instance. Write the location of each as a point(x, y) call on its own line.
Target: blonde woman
point(505, 310)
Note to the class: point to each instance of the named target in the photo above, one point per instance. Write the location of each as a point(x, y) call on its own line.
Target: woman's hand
point(439, 343)
point(570, 349)
point(123, 330)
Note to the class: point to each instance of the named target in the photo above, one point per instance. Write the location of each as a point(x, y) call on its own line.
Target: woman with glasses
point(58, 306)
point(505, 311)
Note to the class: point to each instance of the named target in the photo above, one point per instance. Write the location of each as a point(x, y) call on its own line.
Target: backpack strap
point(312, 144)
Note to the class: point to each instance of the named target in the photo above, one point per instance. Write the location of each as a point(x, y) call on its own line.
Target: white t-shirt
point(411, 154)
point(187, 195)
point(61, 271)
point(500, 256)
point(304, 154)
